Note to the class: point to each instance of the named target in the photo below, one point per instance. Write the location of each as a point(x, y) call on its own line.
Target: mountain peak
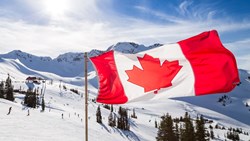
point(95, 52)
point(70, 57)
point(23, 56)
point(127, 47)
point(155, 45)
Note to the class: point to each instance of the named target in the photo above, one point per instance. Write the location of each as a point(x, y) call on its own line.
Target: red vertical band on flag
point(214, 66)
point(111, 90)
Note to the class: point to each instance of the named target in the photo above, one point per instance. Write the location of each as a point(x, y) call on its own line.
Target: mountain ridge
point(69, 64)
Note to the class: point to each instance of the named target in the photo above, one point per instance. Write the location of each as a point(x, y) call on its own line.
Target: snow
point(50, 126)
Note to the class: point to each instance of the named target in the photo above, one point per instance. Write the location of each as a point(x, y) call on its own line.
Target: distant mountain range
point(69, 64)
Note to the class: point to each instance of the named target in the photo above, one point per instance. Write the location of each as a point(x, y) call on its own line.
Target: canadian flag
point(196, 66)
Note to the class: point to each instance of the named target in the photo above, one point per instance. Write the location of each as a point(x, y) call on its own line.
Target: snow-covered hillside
point(66, 65)
point(63, 118)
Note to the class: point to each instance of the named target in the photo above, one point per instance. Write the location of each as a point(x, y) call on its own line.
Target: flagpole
point(86, 94)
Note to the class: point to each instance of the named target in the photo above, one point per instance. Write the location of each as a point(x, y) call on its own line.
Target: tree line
point(182, 129)
point(120, 120)
point(188, 129)
point(30, 99)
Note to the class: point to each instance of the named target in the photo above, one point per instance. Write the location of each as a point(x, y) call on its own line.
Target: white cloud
point(240, 47)
point(91, 27)
point(160, 15)
point(183, 7)
point(241, 50)
point(84, 36)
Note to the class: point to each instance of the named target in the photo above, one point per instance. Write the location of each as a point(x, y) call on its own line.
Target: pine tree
point(165, 130)
point(216, 126)
point(176, 132)
point(126, 120)
point(119, 123)
point(30, 99)
point(120, 110)
point(43, 105)
point(200, 134)
point(9, 89)
point(134, 115)
point(211, 134)
point(237, 137)
point(119, 120)
point(111, 119)
point(9, 94)
point(233, 136)
point(187, 133)
point(34, 102)
point(181, 119)
point(114, 120)
point(123, 121)
point(111, 109)
point(2, 89)
point(98, 115)
point(156, 126)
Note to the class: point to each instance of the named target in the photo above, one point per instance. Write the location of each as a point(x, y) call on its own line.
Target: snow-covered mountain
point(63, 118)
point(68, 64)
point(130, 47)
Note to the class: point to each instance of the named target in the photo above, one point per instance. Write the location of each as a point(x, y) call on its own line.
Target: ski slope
point(63, 118)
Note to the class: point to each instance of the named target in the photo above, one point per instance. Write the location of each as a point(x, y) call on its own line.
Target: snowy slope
point(67, 65)
point(50, 126)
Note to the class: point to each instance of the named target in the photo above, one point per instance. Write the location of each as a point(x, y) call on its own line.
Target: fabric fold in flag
point(195, 66)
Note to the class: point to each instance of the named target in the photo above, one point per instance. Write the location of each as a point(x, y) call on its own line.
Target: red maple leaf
point(153, 76)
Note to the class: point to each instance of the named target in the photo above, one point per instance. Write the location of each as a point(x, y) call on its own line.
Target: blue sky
point(51, 27)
